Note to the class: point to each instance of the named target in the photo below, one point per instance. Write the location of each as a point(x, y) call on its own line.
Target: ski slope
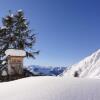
point(51, 88)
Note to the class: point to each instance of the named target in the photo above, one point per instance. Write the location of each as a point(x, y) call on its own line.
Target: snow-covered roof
point(15, 52)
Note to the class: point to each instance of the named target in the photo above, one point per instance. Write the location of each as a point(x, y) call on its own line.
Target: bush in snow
point(76, 74)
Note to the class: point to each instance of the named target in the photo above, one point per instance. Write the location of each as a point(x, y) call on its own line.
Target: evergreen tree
point(15, 33)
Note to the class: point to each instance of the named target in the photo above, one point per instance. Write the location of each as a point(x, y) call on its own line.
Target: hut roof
point(15, 52)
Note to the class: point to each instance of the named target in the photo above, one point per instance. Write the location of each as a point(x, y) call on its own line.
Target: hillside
point(88, 67)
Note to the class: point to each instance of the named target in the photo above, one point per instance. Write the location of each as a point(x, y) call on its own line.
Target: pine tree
point(15, 33)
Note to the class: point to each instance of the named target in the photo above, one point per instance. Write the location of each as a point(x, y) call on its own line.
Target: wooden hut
point(15, 62)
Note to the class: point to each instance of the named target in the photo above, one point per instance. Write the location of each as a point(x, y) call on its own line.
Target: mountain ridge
point(45, 71)
point(88, 67)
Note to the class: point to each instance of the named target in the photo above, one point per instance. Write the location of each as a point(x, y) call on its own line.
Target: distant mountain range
point(45, 71)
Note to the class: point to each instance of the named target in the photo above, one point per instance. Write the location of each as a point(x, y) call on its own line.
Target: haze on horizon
point(69, 30)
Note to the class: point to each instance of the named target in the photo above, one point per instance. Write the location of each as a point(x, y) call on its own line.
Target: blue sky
point(69, 30)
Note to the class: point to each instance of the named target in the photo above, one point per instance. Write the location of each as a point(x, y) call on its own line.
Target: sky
point(68, 30)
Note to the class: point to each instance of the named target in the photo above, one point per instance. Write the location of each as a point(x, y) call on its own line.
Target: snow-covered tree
point(15, 33)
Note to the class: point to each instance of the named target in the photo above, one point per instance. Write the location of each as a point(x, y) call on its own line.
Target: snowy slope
point(51, 88)
point(88, 67)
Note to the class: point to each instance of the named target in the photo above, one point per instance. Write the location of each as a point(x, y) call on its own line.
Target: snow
point(58, 88)
point(15, 52)
point(12, 15)
point(51, 88)
point(88, 67)
point(4, 62)
point(3, 27)
point(4, 73)
point(20, 10)
point(45, 70)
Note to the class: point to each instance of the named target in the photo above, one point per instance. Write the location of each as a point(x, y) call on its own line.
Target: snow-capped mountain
point(88, 67)
point(45, 71)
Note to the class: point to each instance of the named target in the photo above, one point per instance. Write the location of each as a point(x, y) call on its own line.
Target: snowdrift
point(51, 88)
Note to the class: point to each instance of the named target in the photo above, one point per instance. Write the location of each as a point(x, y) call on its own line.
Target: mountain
point(88, 67)
point(51, 88)
point(45, 71)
